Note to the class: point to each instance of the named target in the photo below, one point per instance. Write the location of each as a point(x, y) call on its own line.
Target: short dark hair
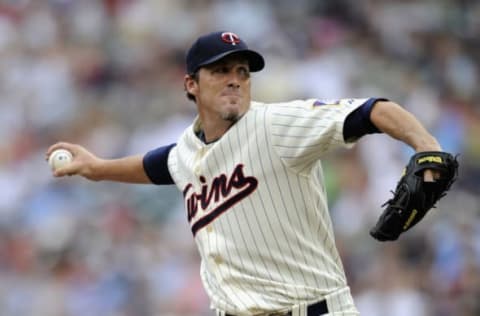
point(190, 96)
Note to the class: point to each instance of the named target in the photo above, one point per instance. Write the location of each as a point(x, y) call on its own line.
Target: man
point(252, 182)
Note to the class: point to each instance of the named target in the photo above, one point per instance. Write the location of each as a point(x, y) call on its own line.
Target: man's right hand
point(83, 163)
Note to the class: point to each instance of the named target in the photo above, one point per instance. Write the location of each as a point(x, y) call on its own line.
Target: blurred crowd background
point(109, 75)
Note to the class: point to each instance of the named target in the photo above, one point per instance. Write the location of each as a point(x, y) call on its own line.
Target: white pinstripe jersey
point(257, 205)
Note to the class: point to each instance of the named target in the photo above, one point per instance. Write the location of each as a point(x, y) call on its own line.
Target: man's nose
point(234, 85)
point(234, 80)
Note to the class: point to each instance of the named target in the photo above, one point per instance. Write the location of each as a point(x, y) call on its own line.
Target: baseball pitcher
point(252, 181)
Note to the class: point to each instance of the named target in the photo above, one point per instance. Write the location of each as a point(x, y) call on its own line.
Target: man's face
point(222, 90)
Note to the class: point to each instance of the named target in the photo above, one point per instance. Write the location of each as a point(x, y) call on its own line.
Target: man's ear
point(190, 84)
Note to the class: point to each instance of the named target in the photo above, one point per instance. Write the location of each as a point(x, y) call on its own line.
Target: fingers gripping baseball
point(68, 159)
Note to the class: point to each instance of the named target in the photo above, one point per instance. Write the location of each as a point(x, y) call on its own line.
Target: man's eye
point(244, 72)
point(221, 70)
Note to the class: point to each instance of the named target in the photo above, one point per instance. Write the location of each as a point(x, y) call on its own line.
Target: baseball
point(59, 158)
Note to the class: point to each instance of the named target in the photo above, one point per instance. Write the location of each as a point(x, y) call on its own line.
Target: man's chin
point(233, 110)
point(231, 116)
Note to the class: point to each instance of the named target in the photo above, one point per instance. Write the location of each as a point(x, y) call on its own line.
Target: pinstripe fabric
point(257, 206)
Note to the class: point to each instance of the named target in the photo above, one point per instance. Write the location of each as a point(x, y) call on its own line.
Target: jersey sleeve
point(155, 164)
point(358, 123)
point(304, 130)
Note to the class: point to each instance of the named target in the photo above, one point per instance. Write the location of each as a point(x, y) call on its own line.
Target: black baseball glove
point(413, 197)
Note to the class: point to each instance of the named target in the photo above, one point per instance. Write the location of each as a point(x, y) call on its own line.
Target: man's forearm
point(400, 124)
point(128, 169)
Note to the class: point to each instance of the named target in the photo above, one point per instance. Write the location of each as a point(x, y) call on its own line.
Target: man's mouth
point(231, 94)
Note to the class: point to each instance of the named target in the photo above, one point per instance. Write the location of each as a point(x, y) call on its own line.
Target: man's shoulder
point(292, 103)
point(188, 136)
point(313, 102)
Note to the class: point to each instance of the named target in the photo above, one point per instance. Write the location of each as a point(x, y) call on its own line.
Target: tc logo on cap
point(230, 38)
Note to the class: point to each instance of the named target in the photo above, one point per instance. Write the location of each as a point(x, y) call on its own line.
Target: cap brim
point(255, 60)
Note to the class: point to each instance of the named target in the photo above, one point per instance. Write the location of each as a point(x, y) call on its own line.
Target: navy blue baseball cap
point(212, 47)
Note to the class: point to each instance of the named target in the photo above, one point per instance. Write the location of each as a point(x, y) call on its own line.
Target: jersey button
point(218, 259)
point(209, 229)
point(197, 170)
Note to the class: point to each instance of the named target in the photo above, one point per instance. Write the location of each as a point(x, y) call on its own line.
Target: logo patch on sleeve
point(326, 102)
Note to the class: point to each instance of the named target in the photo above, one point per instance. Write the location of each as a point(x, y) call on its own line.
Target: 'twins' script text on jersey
point(220, 190)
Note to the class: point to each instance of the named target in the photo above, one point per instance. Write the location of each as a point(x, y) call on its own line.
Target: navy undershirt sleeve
point(155, 163)
point(358, 123)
